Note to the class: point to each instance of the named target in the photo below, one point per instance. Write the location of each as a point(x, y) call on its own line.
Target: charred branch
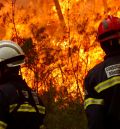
point(60, 15)
point(105, 6)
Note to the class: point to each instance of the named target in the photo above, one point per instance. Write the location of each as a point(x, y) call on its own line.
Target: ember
point(58, 37)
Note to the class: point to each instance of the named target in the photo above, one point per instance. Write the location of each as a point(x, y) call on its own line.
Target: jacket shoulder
point(92, 78)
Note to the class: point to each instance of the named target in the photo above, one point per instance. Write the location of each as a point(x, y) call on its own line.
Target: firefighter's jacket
point(102, 94)
point(20, 107)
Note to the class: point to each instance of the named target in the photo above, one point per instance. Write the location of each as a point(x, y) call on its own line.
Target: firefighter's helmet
point(109, 28)
point(11, 54)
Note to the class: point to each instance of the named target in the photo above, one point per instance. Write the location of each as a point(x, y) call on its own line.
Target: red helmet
point(109, 29)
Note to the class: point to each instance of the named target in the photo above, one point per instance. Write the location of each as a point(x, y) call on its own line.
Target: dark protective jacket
point(102, 94)
point(20, 107)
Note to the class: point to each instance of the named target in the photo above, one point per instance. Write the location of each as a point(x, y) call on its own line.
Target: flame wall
point(64, 39)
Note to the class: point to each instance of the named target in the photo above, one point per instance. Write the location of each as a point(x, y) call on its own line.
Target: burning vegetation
point(58, 38)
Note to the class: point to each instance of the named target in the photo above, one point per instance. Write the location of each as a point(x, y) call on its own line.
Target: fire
point(60, 36)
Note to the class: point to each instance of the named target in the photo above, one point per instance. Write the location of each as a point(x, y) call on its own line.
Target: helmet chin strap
point(20, 72)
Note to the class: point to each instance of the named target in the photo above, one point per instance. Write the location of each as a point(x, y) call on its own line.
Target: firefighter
point(102, 83)
point(20, 106)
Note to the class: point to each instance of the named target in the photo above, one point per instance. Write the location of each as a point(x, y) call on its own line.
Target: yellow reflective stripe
point(26, 108)
point(12, 107)
point(107, 84)
point(41, 109)
point(42, 126)
point(3, 125)
point(91, 101)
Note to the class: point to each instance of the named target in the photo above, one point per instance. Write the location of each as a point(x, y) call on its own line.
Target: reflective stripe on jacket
point(3, 125)
point(107, 84)
point(91, 101)
point(26, 107)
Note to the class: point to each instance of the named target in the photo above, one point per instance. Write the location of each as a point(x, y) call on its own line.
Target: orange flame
point(64, 53)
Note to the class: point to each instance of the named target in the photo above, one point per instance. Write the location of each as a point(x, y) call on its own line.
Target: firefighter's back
point(23, 109)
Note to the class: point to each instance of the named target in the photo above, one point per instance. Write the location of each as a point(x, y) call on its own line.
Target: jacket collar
point(112, 55)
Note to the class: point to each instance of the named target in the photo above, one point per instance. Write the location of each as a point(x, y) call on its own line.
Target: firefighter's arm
point(94, 107)
point(3, 112)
